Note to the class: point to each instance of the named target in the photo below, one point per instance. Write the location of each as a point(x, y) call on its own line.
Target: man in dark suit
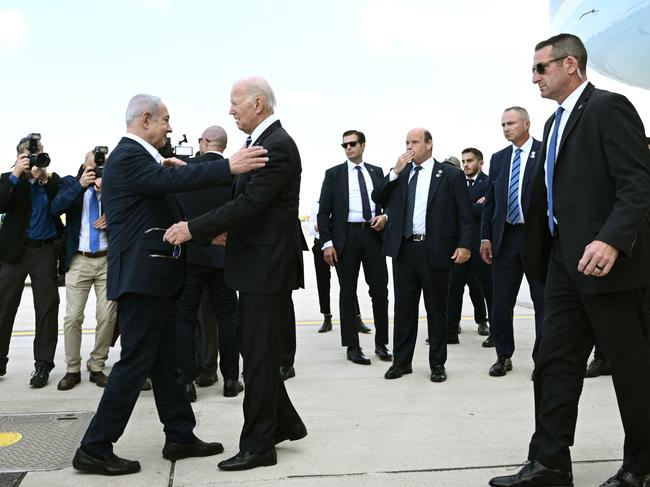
point(264, 263)
point(144, 275)
point(204, 269)
point(85, 266)
point(429, 230)
point(502, 234)
point(588, 232)
point(350, 232)
point(477, 183)
point(27, 247)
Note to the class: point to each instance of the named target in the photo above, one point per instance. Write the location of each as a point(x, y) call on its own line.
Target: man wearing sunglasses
point(145, 274)
point(351, 231)
point(588, 234)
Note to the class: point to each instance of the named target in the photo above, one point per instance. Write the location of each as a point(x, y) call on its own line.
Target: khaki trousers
point(85, 272)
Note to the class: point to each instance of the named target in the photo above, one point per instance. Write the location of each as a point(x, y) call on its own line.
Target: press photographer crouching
point(85, 266)
point(27, 247)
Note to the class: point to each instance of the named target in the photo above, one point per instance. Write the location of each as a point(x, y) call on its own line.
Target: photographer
point(27, 247)
point(85, 265)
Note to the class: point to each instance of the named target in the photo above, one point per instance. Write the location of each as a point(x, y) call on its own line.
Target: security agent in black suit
point(264, 263)
point(429, 229)
point(502, 233)
point(204, 269)
point(477, 183)
point(145, 273)
point(587, 230)
point(27, 247)
point(350, 231)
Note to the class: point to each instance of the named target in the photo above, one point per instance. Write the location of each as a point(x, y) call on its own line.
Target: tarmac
point(363, 429)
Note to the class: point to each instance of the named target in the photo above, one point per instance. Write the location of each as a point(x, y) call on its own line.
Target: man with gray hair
point(145, 273)
point(264, 263)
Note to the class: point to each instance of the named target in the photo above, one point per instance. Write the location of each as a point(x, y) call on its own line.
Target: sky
point(379, 66)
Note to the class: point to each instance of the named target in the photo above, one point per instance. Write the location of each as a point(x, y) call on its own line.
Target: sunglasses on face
point(351, 144)
point(540, 68)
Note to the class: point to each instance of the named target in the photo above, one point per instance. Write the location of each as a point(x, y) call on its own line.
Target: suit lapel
point(436, 176)
point(376, 179)
point(532, 160)
point(507, 157)
point(576, 114)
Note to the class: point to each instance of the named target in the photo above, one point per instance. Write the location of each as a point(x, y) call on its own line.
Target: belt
point(359, 224)
point(39, 243)
point(417, 237)
point(92, 255)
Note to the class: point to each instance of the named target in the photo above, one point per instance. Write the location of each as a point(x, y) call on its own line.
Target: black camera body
point(180, 151)
point(100, 152)
point(38, 160)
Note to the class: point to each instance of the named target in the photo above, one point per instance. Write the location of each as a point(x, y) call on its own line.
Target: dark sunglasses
point(351, 144)
point(540, 68)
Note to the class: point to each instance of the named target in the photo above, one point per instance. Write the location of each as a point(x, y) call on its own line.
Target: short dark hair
point(566, 45)
point(360, 136)
point(474, 151)
point(427, 136)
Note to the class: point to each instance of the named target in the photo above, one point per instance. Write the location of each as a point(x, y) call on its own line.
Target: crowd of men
point(155, 237)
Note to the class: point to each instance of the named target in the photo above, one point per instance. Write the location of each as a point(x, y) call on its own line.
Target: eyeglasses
point(540, 68)
point(176, 250)
point(201, 139)
point(351, 144)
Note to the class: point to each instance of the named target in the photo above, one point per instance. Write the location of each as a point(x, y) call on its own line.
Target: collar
point(428, 164)
point(352, 165)
point(525, 147)
point(259, 130)
point(572, 99)
point(148, 147)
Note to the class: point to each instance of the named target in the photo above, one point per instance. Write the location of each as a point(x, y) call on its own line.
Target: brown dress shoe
point(70, 379)
point(98, 378)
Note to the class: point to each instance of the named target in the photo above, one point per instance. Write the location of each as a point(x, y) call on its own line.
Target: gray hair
point(258, 86)
point(140, 104)
point(522, 111)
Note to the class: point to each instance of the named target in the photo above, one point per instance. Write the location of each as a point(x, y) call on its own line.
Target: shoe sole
point(172, 458)
point(266, 463)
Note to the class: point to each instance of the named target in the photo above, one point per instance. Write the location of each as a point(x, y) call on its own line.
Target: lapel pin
point(580, 106)
point(532, 155)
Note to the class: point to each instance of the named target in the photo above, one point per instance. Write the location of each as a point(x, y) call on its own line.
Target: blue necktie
point(248, 141)
point(514, 215)
point(410, 202)
point(550, 168)
point(93, 215)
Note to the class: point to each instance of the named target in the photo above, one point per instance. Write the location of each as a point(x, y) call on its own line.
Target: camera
point(181, 151)
point(38, 160)
point(100, 152)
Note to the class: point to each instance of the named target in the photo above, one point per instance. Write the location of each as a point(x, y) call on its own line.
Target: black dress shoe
point(327, 324)
point(39, 377)
point(99, 378)
point(245, 460)
point(177, 451)
point(627, 479)
point(287, 373)
point(298, 432)
point(382, 352)
point(147, 385)
point(69, 380)
point(438, 373)
point(206, 378)
point(501, 367)
point(396, 371)
point(452, 339)
point(191, 391)
point(598, 367)
point(534, 474)
point(232, 387)
point(488, 342)
point(356, 355)
point(483, 329)
point(361, 327)
point(112, 465)
point(3, 370)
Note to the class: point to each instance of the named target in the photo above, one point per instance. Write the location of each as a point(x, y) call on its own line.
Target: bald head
point(419, 141)
point(213, 139)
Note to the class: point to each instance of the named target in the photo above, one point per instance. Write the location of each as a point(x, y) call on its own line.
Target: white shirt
point(266, 123)
point(313, 220)
point(524, 155)
point(149, 148)
point(84, 234)
point(355, 211)
point(421, 194)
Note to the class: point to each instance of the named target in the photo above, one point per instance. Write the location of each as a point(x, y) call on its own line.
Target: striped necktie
point(514, 215)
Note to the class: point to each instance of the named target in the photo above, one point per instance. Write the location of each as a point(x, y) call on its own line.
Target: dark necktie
point(470, 182)
point(410, 203)
point(248, 141)
point(514, 215)
point(550, 168)
point(93, 215)
point(365, 202)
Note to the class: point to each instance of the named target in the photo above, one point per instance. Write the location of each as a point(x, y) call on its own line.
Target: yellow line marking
point(8, 438)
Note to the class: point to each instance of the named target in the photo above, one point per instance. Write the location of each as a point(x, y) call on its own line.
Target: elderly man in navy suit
point(502, 234)
point(145, 273)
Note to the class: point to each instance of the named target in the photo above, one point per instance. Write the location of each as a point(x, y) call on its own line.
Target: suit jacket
point(196, 203)
point(449, 213)
point(334, 203)
point(495, 210)
point(263, 248)
point(16, 202)
point(476, 192)
point(600, 192)
point(135, 191)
